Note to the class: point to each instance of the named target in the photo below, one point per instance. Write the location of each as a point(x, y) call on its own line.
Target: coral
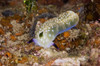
point(2, 31)
point(97, 41)
point(13, 38)
point(23, 60)
point(49, 63)
point(74, 34)
point(5, 22)
point(68, 41)
point(88, 28)
point(8, 54)
point(0, 64)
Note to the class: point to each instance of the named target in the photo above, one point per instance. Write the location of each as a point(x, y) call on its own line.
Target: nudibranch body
point(48, 31)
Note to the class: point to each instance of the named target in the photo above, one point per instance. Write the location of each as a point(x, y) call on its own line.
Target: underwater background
point(20, 23)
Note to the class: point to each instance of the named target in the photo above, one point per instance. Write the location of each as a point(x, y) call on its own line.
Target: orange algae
point(66, 34)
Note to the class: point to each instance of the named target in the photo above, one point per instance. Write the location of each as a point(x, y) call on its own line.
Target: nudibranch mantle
point(48, 31)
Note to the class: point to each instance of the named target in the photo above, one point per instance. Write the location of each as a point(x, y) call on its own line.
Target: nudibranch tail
point(48, 31)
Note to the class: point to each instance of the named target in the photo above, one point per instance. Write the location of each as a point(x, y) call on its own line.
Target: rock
point(49, 53)
point(42, 20)
point(19, 64)
point(97, 1)
point(7, 13)
point(94, 53)
point(70, 61)
point(52, 2)
point(23, 37)
point(86, 1)
point(17, 27)
point(35, 64)
point(19, 34)
point(10, 2)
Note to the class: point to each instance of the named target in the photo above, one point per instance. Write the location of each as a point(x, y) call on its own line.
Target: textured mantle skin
point(48, 31)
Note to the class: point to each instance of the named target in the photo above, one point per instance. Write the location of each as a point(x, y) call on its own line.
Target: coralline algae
point(48, 31)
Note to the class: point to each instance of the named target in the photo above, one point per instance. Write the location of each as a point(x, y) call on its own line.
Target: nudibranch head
point(45, 37)
point(48, 31)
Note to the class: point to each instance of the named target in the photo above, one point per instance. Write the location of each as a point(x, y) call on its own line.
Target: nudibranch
point(48, 31)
